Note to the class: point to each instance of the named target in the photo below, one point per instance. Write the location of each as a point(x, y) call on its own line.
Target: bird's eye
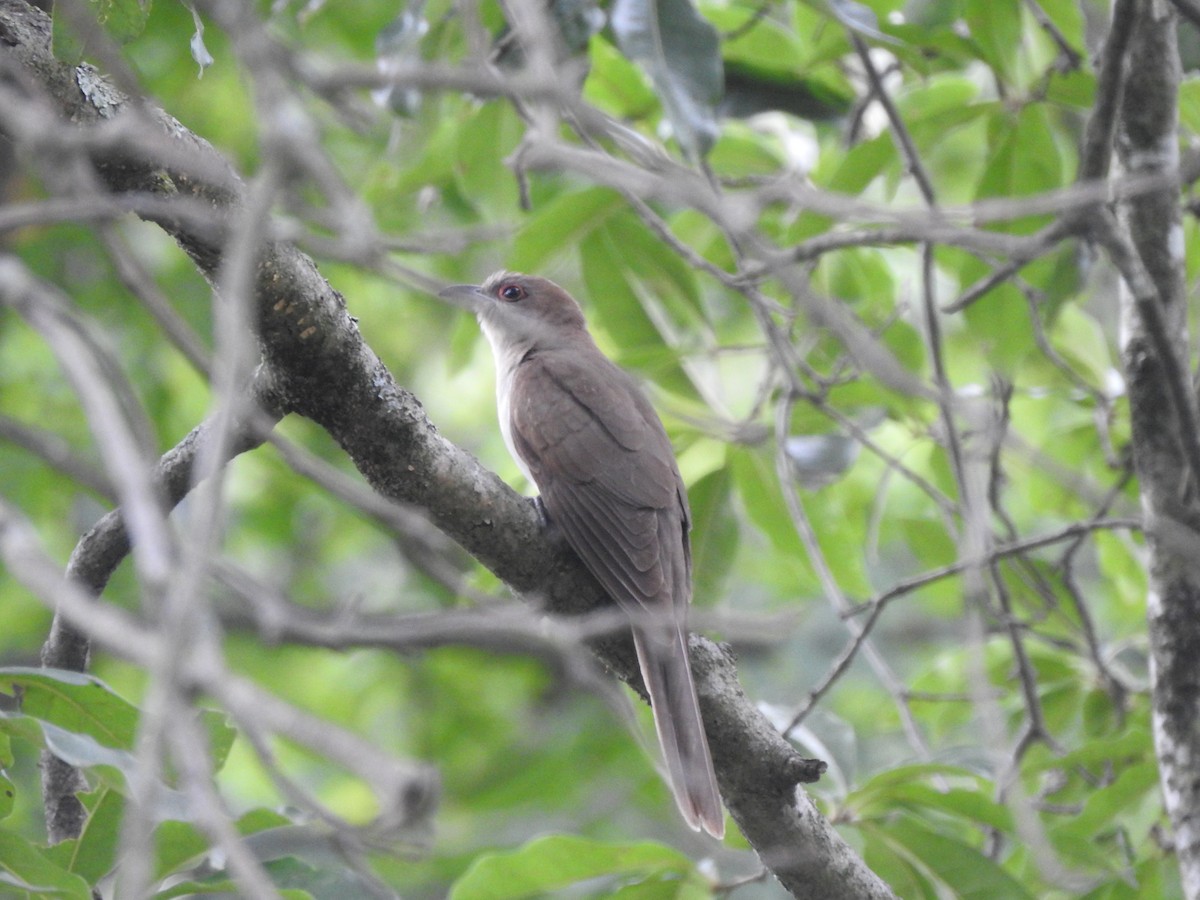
point(511, 292)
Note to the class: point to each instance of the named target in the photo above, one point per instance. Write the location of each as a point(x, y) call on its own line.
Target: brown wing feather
point(607, 475)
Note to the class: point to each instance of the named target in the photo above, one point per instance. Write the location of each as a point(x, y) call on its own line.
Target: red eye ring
point(510, 291)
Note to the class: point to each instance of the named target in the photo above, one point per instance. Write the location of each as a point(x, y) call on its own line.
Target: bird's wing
point(607, 475)
point(608, 478)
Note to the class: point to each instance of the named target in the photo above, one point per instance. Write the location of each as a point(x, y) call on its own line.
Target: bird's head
point(521, 310)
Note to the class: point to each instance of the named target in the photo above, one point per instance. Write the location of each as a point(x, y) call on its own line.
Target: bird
point(584, 433)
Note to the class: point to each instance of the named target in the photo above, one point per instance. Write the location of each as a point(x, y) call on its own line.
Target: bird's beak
point(468, 296)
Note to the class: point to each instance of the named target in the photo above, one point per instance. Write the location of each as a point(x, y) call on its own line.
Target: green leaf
point(304, 859)
point(1189, 105)
point(1122, 569)
point(122, 19)
point(850, 173)
point(1106, 805)
point(561, 224)
point(856, 274)
point(93, 854)
point(946, 94)
point(890, 862)
point(1152, 879)
point(1000, 332)
point(680, 51)
point(483, 145)
point(715, 533)
point(221, 736)
point(77, 703)
point(83, 722)
point(27, 871)
point(221, 887)
point(554, 863)
point(216, 887)
point(84, 751)
point(961, 792)
point(1077, 88)
point(605, 257)
point(907, 345)
point(616, 85)
point(671, 279)
point(180, 843)
point(8, 794)
point(996, 30)
point(959, 866)
point(758, 489)
point(175, 845)
point(615, 304)
point(1023, 158)
point(742, 153)
point(261, 819)
point(1068, 17)
point(1081, 340)
point(661, 888)
point(971, 805)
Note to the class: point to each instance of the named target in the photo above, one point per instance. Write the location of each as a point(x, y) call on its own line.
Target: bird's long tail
point(663, 657)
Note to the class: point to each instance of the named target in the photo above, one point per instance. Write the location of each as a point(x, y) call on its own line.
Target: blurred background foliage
point(932, 781)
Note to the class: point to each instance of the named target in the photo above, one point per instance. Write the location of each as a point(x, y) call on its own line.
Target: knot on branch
point(802, 770)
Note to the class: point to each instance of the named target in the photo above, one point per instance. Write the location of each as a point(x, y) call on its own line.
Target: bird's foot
point(549, 529)
point(540, 508)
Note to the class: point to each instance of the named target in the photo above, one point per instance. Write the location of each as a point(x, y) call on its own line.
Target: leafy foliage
point(678, 48)
point(123, 20)
point(982, 742)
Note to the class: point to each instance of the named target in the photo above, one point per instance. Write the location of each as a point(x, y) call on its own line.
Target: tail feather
point(662, 655)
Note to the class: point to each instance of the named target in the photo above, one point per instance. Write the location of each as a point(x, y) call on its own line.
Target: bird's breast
point(506, 369)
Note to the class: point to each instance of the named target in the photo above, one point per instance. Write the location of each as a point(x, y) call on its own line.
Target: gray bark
point(1155, 356)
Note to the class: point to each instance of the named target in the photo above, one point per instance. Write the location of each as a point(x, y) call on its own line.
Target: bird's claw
point(543, 514)
point(549, 528)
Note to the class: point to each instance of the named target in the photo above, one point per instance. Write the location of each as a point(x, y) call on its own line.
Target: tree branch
point(1154, 354)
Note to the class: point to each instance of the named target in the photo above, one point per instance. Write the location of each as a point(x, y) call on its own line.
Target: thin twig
point(1071, 58)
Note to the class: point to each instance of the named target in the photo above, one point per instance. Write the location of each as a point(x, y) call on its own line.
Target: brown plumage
point(582, 430)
